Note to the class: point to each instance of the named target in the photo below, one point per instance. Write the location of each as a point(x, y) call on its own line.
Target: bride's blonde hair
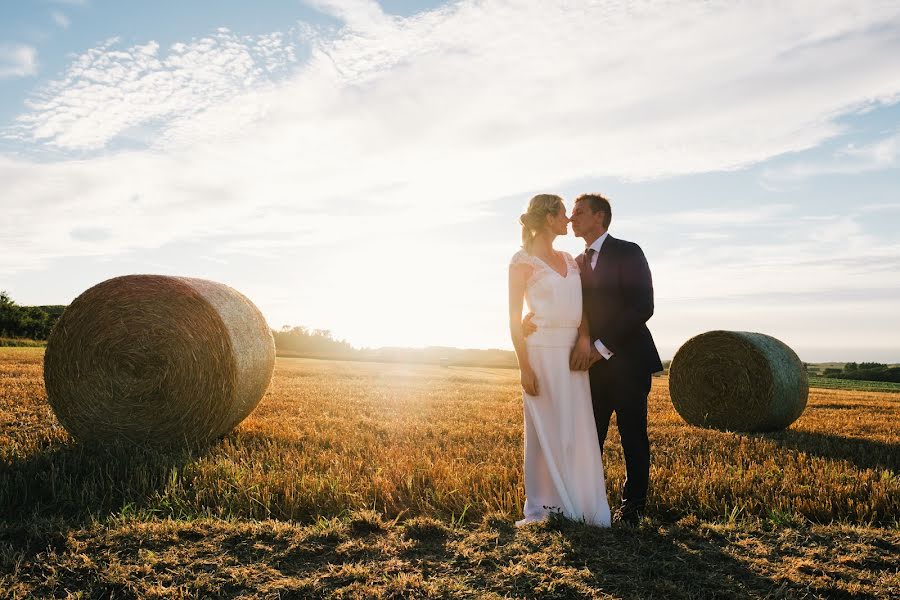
point(535, 218)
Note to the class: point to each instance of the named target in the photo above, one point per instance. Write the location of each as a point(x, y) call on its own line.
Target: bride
point(563, 464)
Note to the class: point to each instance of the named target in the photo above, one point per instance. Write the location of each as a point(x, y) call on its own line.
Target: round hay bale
point(159, 360)
point(738, 381)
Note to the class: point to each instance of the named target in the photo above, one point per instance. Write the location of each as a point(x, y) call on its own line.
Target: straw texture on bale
point(738, 381)
point(157, 359)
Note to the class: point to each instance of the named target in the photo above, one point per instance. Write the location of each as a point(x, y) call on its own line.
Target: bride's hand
point(529, 382)
point(580, 358)
point(528, 327)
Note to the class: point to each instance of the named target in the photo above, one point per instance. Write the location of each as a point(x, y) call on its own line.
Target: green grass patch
point(21, 343)
point(851, 384)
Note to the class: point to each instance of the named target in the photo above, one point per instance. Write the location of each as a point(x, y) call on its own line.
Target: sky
point(360, 166)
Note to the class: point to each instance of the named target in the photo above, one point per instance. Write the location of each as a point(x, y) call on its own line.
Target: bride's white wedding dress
point(563, 464)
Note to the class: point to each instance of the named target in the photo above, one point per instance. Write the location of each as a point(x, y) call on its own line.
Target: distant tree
point(851, 366)
point(35, 323)
point(890, 374)
point(303, 340)
point(25, 321)
point(871, 365)
point(9, 315)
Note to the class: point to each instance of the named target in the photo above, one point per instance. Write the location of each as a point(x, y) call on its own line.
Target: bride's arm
point(518, 278)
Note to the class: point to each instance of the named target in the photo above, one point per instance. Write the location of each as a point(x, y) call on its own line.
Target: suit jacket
point(618, 301)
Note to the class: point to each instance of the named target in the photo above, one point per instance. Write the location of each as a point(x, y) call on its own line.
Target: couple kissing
point(584, 352)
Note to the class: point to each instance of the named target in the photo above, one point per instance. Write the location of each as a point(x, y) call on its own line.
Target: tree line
point(36, 323)
point(865, 371)
point(320, 343)
point(30, 322)
point(305, 340)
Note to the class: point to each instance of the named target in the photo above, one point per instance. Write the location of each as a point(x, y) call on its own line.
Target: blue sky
point(359, 166)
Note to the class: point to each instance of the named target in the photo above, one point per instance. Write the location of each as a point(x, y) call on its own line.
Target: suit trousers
point(618, 387)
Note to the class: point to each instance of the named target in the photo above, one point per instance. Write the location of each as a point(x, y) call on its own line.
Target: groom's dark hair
point(597, 203)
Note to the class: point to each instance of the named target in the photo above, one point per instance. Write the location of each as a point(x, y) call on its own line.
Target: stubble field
point(366, 479)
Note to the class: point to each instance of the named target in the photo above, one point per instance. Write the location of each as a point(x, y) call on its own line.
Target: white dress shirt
point(598, 243)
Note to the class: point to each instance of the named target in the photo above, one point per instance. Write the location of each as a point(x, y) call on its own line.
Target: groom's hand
point(580, 359)
point(595, 356)
point(527, 326)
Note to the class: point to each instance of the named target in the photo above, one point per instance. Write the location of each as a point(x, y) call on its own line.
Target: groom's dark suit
point(618, 301)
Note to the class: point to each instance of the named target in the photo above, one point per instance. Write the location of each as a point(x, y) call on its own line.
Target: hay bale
point(738, 381)
point(157, 359)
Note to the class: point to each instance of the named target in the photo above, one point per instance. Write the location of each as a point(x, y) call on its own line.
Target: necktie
point(588, 257)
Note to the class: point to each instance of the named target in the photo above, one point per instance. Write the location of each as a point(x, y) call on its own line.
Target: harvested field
point(389, 480)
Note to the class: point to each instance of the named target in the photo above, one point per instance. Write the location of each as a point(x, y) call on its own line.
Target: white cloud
point(873, 208)
point(17, 60)
point(730, 86)
point(107, 91)
point(359, 15)
point(60, 19)
point(395, 128)
point(852, 159)
point(717, 217)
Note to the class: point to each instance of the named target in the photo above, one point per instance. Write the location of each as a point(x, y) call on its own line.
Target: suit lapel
point(603, 259)
point(589, 274)
point(604, 249)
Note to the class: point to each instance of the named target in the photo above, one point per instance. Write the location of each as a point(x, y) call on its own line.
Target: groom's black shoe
point(629, 513)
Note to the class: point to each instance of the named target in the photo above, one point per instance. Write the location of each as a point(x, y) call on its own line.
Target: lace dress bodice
point(555, 300)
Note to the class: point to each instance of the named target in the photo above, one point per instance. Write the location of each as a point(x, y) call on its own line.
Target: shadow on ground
point(78, 481)
point(364, 556)
point(865, 454)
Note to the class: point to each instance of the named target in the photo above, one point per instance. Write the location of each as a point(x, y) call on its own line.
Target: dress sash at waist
point(545, 336)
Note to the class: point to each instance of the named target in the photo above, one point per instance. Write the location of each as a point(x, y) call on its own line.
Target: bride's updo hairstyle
point(535, 218)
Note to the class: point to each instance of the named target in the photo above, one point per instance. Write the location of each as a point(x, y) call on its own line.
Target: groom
point(620, 355)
